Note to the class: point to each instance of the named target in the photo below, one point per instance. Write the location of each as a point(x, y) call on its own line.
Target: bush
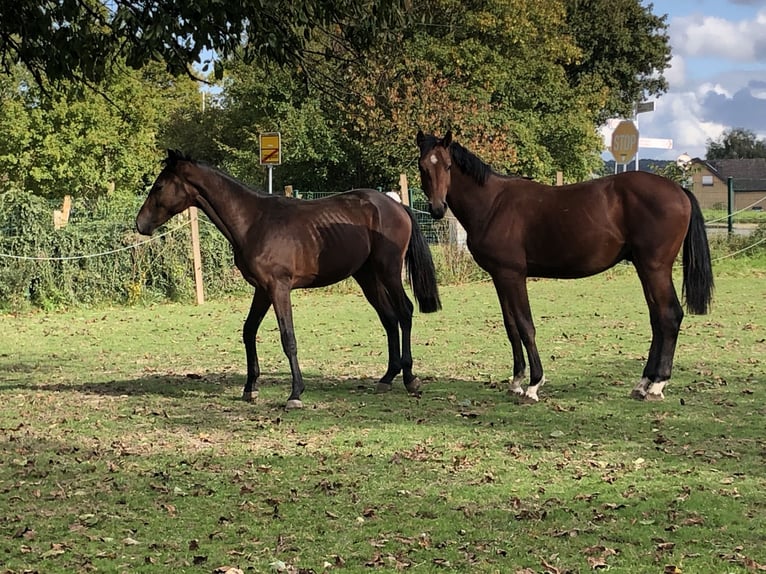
point(98, 258)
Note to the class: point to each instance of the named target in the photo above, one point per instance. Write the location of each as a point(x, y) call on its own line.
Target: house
point(709, 182)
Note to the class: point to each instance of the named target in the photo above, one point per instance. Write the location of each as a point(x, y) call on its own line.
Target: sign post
point(271, 151)
point(624, 142)
point(641, 108)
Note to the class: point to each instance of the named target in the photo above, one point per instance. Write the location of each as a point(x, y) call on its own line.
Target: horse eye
point(449, 166)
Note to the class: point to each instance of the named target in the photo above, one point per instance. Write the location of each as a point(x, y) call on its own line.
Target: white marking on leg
point(639, 391)
point(654, 391)
point(516, 388)
point(531, 393)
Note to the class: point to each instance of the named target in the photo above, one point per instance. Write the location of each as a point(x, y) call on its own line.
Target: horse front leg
point(280, 298)
point(258, 309)
point(513, 288)
point(512, 332)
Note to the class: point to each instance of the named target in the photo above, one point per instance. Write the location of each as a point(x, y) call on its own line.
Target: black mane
point(466, 161)
point(174, 156)
point(470, 164)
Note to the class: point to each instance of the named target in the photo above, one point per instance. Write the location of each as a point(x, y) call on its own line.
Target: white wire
point(92, 255)
point(736, 212)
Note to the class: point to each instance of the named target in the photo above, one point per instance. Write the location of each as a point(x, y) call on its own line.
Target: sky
point(717, 75)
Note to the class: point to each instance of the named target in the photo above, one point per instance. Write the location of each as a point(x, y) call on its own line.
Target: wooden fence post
point(404, 190)
point(197, 256)
point(61, 217)
point(559, 178)
point(288, 191)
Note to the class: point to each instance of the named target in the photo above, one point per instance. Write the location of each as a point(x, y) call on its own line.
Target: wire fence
point(101, 250)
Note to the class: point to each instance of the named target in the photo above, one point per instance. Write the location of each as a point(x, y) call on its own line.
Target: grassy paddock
point(125, 447)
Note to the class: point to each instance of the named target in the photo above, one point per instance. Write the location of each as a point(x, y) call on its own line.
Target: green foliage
point(736, 143)
point(624, 50)
point(99, 259)
point(81, 39)
point(74, 141)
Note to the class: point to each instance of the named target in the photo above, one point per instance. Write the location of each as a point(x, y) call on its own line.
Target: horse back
point(582, 229)
point(314, 243)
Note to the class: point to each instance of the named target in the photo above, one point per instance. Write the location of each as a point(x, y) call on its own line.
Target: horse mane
point(175, 155)
point(470, 164)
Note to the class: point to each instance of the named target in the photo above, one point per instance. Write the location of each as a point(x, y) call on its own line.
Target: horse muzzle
point(437, 211)
point(144, 226)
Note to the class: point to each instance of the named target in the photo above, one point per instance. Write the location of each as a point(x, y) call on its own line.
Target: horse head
point(435, 164)
point(170, 194)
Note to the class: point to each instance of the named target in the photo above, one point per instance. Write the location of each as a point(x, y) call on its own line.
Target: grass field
point(125, 447)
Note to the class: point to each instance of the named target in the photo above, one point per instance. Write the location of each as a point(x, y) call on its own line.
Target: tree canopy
point(736, 143)
point(522, 83)
point(75, 141)
point(64, 39)
point(510, 77)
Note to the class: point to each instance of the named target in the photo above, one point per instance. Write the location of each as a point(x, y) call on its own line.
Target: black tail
point(421, 270)
point(698, 271)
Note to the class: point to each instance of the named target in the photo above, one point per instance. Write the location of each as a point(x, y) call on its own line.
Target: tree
point(624, 50)
point(736, 143)
point(65, 39)
point(498, 72)
point(490, 71)
point(74, 141)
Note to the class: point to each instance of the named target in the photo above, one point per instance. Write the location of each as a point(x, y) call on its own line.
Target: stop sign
point(624, 142)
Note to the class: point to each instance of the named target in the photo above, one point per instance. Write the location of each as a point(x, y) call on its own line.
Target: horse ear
point(447, 138)
point(420, 137)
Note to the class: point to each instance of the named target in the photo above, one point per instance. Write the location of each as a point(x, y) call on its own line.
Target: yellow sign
point(271, 148)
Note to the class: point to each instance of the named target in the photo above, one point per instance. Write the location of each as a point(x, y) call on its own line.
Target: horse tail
point(420, 269)
point(698, 271)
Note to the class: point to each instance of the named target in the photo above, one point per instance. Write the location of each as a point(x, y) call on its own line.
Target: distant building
point(709, 182)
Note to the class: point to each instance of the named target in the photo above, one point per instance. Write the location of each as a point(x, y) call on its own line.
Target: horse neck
point(470, 202)
point(223, 201)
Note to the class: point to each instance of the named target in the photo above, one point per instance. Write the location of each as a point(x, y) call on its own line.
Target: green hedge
point(99, 258)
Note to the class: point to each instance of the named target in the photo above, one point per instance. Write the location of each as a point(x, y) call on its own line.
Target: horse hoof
point(413, 387)
point(638, 394)
point(655, 396)
point(293, 404)
point(249, 397)
point(383, 387)
point(527, 400)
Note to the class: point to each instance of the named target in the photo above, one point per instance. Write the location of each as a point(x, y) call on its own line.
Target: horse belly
point(571, 260)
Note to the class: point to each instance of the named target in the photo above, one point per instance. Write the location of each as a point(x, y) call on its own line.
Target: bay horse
point(281, 244)
point(517, 228)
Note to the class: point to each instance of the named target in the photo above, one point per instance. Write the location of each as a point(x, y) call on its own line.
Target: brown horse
point(281, 244)
point(517, 228)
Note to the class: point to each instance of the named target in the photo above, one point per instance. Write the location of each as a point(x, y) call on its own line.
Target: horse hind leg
point(377, 296)
point(666, 315)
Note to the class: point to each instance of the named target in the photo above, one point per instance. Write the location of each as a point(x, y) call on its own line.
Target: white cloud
point(710, 36)
point(675, 74)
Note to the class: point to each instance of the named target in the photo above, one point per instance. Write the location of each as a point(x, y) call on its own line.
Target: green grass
point(125, 447)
